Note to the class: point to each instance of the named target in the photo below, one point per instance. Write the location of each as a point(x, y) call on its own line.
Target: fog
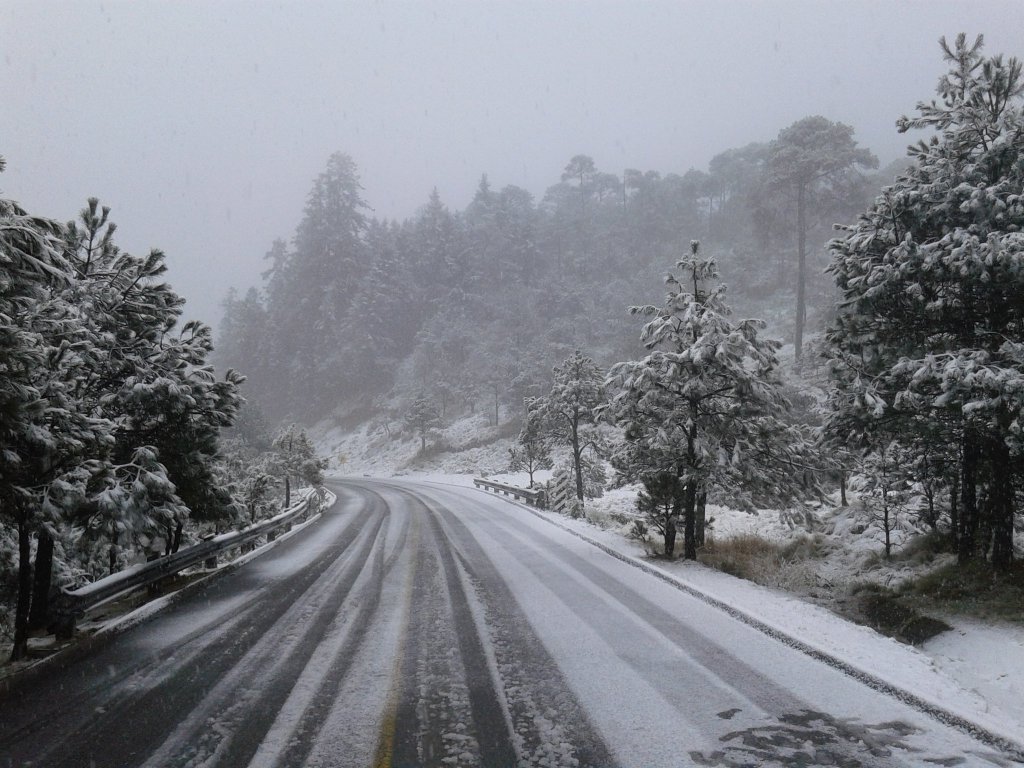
point(203, 124)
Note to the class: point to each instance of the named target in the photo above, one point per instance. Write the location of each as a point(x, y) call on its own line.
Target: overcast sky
point(203, 124)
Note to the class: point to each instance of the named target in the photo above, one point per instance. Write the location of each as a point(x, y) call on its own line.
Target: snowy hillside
point(468, 446)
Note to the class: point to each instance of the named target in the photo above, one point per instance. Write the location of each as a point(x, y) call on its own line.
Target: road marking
point(389, 726)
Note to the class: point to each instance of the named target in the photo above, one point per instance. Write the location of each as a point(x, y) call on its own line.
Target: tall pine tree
point(929, 340)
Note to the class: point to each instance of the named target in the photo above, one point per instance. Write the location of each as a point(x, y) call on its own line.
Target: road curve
point(427, 625)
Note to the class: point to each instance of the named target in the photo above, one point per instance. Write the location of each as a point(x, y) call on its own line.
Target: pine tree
point(569, 411)
point(704, 409)
point(929, 338)
point(532, 452)
point(156, 387)
point(32, 266)
point(804, 158)
point(422, 417)
point(295, 458)
point(310, 289)
point(887, 488)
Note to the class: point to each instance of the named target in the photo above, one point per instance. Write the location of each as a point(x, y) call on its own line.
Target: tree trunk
point(954, 511)
point(689, 522)
point(577, 458)
point(968, 501)
point(1001, 509)
point(702, 517)
point(801, 278)
point(886, 523)
point(929, 495)
point(21, 612)
point(287, 492)
point(690, 491)
point(842, 490)
point(177, 537)
point(670, 535)
point(112, 555)
point(42, 575)
point(983, 536)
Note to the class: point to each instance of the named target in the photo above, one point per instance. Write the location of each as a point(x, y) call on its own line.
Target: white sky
point(203, 124)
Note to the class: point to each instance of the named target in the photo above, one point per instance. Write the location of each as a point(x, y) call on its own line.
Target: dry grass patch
point(971, 590)
point(746, 556)
point(792, 565)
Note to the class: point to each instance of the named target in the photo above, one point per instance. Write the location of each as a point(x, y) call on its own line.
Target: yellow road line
point(386, 745)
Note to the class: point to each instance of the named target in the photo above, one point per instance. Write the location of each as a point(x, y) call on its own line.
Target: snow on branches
point(926, 346)
point(704, 410)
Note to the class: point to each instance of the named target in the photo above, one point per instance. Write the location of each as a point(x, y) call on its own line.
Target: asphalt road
point(419, 625)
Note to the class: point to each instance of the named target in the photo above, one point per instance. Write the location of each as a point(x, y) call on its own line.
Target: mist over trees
point(474, 308)
point(450, 311)
point(901, 361)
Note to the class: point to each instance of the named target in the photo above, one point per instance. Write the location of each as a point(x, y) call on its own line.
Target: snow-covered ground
point(468, 446)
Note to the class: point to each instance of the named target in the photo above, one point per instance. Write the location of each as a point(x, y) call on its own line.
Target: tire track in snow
point(493, 736)
point(707, 657)
point(522, 711)
point(434, 723)
point(253, 719)
point(550, 726)
point(333, 672)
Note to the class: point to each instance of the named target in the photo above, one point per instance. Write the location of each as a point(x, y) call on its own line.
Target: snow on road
point(700, 665)
point(428, 624)
point(976, 670)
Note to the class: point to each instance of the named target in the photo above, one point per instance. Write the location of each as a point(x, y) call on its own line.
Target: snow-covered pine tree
point(929, 333)
point(705, 406)
point(569, 411)
point(154, 384)
point(422, 417)
point(310, 288)
point(295, 458)
point(887, 488)
point(532, 451)
point(32, 267)
point(660, 502)
point(379, 326)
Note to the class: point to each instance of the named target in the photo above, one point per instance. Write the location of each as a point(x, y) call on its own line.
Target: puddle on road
point(810, 738)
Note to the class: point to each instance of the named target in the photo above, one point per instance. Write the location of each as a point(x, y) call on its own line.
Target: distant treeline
point(474, 307)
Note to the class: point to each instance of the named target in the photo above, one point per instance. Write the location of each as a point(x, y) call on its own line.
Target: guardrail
point(70, 604)
point(531, 497)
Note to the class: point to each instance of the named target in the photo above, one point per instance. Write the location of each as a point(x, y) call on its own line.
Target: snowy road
point(427, 625)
